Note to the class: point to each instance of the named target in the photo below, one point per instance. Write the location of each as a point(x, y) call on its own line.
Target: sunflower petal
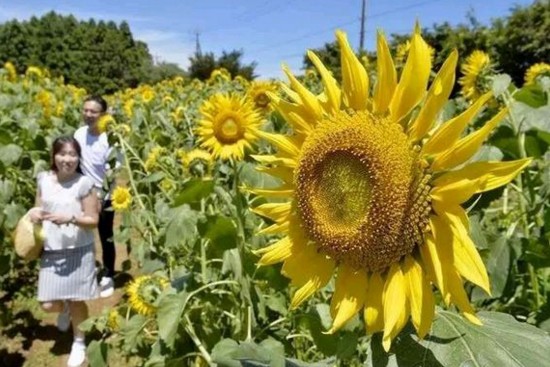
point(349, 296)
point(439, 92)
point(420, 295)
point(283, 173)
point(455, 192)
point(280, 141)
point(460, 298)
point(332, 91)
point(279, 192)
point(466, 147)
point(275, 211)
point(309, 271)
point(309, 100)
point(466, 258)
point(274, 228)
point(490, 175)
point(450, 131)
point(414, 79)
point(395, 301)
point(294, 114)
point(374, 307)
point(271, 159)
point(386, 75)
point(355, 81)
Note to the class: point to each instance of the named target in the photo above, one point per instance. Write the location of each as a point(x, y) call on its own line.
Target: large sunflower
point(374, 193)
point(228, 126)
point(535, 71)
point(144, 291)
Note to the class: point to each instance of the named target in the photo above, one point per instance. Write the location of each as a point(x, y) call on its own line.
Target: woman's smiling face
point(66, 159)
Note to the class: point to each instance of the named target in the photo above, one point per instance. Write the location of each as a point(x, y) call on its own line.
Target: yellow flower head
point(121, 199)
point(257, 92)
point(167, 184)
point(112, 320)
point(242, 81)
point(535, 71)
point(228, 126)
point(219, 75)
point(129, 108)
point(373, 197)
point(105, 122)
point(143, 293)
point(147, 94)
point(198, 162)
point(11, 71)
point(475, 70)
point(152, 158)
point(34, 71)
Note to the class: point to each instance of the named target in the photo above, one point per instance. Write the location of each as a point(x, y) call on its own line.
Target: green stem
point(197, 341)
point(522, 198)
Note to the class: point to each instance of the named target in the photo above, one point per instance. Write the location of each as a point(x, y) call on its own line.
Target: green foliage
point(101, 57)
point(202, 65)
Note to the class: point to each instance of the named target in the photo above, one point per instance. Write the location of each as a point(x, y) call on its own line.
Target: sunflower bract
point(373, 193)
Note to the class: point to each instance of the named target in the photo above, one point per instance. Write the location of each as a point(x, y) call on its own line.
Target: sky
point(267, 31)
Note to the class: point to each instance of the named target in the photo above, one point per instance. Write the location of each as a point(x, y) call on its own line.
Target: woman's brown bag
point(28, 239)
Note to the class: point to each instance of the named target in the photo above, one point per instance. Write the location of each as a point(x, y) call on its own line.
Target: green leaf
point(251, 177)
point(182, 226)
point(193, 191)
point(97, 354)
point(132, 332)
point(9, 154)
point(155, 177)
point(221, 232)
point(453, 341)
point(501, 82)
point(531, 95)
point(531, 118)
point(169, 315)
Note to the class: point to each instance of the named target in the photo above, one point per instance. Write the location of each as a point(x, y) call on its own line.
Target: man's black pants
point(105, 228)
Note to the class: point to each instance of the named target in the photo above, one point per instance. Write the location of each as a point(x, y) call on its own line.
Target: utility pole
point(362, 32)
point(197, 44)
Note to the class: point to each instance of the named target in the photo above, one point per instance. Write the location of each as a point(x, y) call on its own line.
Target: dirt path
point(38, 343)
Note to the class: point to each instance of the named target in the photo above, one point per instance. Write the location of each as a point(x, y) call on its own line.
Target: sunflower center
point(262, 100)
point(228, 130)
point(361, 194)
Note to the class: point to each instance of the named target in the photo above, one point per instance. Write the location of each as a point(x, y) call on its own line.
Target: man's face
point(91, 112)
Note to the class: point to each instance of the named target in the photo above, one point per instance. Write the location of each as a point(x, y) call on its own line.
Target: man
point(95, 155)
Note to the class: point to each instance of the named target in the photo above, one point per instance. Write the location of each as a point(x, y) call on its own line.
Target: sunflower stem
point(191, 331)
point(124, 146)
point(522, 197)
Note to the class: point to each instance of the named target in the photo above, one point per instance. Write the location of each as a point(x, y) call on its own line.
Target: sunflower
point(11, 71)
point(475, 70)
point(257, 93)
point(152, 158)
point(144, 291)
point(34, 71)
point(228, 126)
point(535, 71)
point(112, 320)
point(121, 199)
point(147, 94)
point(198, 162)
point(373, 195)
point(403, 50)
point(219, 75)
point(105, 122)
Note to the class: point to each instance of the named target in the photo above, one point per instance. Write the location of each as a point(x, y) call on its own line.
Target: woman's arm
point(90, 216)
point(36, 212)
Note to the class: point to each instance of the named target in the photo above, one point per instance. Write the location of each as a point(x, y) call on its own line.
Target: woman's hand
point(36, 215)
point(57, 218)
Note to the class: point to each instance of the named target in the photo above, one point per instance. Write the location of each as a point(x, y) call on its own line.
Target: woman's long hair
point(58, 144)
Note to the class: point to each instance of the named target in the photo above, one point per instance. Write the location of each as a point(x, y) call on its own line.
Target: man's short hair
point(99, 100)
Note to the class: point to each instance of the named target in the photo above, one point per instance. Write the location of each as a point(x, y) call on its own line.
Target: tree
point(101, 57)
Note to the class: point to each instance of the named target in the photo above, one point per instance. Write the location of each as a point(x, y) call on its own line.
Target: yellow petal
point(466, 147)
point(274, 211)
point(394, 303)
point(282, 142)
point(332, 91)
point(309, 271)
point(355, 81)
point(489, 175)
point(455, 192)
point(438, 94)
point(414, 79)
point(450, 131)
point(276, 252)
point(374, 307)
point(279, 161)
point(309, 100)
point(349, 296)
point(294, 114)
point(274, 229)
point(386, 76)
point(279, 192)
point(420, 295)
point(466, 258)
point(284, 173)
point(460, 298)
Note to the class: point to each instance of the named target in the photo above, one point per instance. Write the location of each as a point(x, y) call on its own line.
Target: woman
point(67, 207)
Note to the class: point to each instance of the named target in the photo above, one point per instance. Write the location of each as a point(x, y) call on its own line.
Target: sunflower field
point(383, 219)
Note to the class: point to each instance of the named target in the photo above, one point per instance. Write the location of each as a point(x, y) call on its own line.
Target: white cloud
point(166, 46)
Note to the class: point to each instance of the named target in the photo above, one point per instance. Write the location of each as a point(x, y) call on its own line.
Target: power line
point(321, 31)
